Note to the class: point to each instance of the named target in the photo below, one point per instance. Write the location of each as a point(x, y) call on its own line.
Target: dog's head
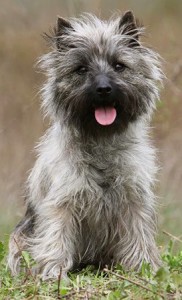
point(100, 76)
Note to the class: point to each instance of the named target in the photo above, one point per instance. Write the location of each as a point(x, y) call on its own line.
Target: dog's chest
point(103, 182)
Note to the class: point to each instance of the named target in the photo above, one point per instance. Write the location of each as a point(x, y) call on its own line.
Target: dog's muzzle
point(105, 112)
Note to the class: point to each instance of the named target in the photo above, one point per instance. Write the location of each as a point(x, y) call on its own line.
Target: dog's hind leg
point(18, 239)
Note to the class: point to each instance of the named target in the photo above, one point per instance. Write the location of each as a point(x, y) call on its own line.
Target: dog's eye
point(119, 67)
point(81, 70)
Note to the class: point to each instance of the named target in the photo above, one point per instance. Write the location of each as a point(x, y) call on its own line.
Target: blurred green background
point(21, 24)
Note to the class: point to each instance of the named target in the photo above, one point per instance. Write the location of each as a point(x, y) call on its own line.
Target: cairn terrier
point(90, 194)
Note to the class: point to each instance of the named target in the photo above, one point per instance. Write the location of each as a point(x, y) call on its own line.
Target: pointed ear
point(61, 28)
point(129, 26)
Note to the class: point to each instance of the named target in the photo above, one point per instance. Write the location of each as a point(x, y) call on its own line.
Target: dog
point(90, 196)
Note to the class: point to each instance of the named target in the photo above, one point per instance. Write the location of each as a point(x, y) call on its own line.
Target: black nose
point(103, 86)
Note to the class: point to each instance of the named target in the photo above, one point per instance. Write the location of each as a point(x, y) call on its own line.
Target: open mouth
point(105, 115)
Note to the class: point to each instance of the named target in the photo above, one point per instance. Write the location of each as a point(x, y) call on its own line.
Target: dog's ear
point(129, 26)
point(63, 27)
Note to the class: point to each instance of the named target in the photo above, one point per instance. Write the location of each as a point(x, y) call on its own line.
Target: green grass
point(96, 284)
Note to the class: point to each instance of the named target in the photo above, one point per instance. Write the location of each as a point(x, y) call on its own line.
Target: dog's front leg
point(53, 243)
point(138, 243)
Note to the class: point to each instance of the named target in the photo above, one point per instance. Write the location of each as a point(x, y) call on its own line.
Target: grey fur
point(90, 194)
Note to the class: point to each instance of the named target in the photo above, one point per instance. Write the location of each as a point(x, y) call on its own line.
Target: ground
point(110, 284)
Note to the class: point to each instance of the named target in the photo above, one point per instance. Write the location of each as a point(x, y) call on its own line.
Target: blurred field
point(21, 25)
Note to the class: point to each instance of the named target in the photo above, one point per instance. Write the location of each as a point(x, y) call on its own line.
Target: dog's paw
point(63, 277)
point(54, 273)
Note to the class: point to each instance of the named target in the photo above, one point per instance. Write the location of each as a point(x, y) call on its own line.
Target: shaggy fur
point(89, 196)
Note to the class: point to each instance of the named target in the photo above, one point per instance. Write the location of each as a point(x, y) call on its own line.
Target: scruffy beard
point(79, 110)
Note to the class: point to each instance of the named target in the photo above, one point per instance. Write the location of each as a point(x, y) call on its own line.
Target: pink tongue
point(105, 115)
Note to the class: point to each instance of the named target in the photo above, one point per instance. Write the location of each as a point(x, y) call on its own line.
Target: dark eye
point(119, 67)
point(81, 70)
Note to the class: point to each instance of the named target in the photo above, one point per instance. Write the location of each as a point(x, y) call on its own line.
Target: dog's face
point(101, 76)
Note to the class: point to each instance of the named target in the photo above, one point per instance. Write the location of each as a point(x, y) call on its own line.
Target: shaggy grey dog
point(89, 196)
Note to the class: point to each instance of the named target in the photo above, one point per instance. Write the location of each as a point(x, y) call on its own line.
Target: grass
point(112, 284)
